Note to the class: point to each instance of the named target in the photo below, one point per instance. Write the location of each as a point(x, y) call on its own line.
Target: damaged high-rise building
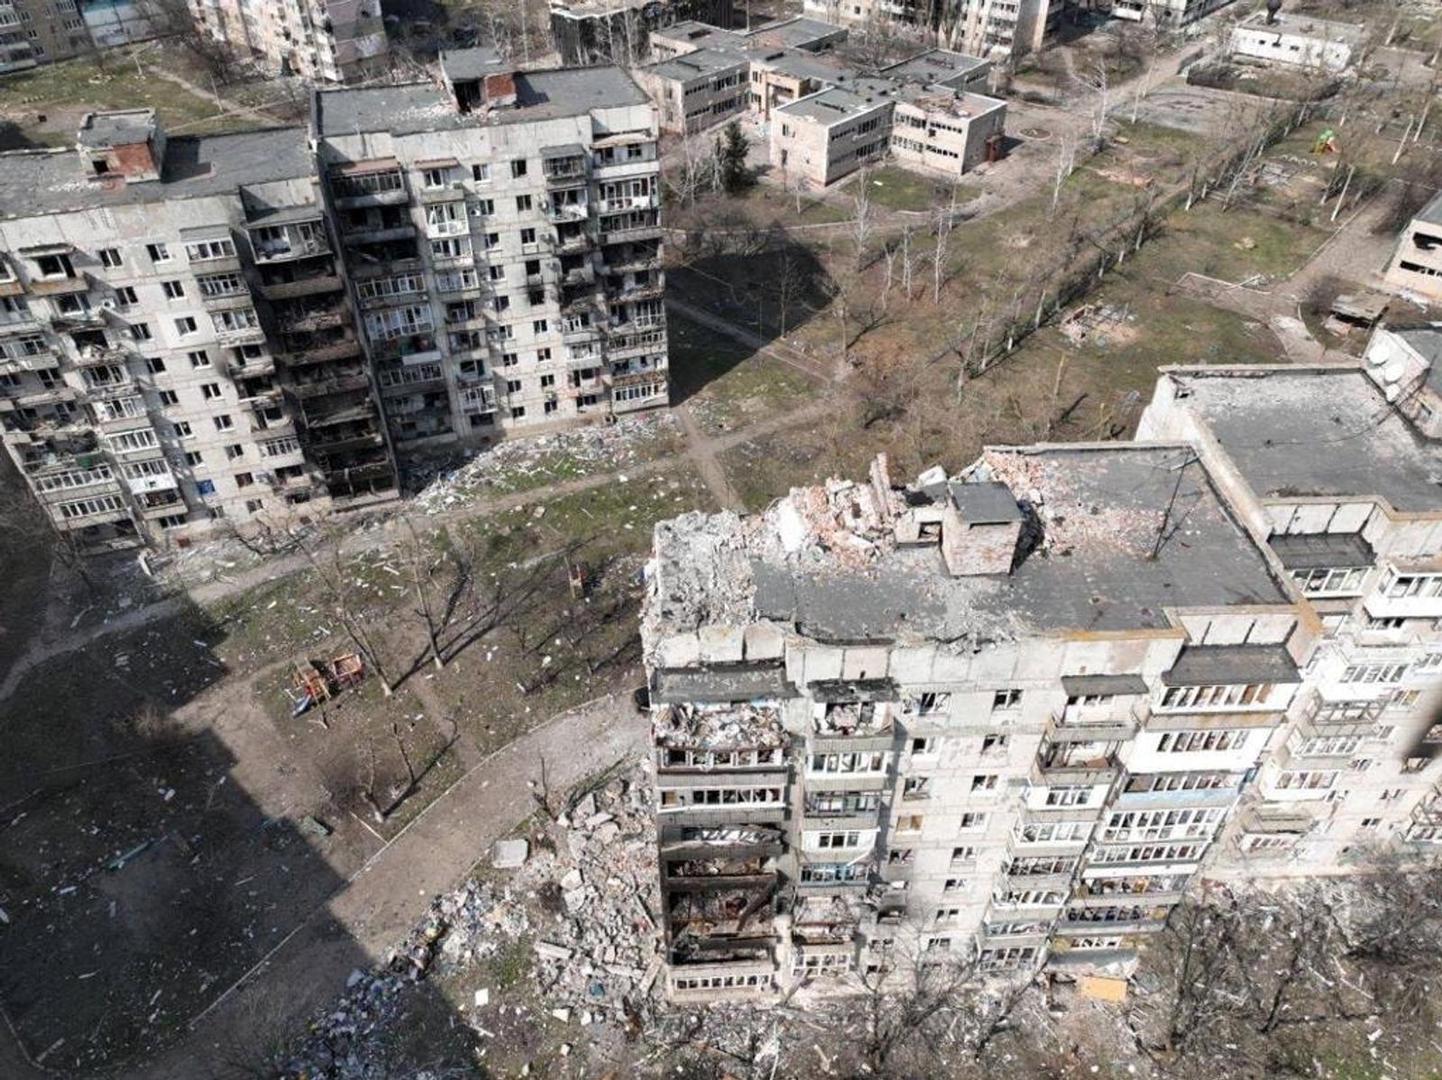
point(619, 31)
point(222, 327)
point(1009, 715)
point(321, 40)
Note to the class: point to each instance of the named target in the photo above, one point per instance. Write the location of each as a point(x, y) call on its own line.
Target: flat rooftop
point(944, 99)
point(936, 66)
point(703, 35)
point(1118, 533)
point(124, 127)
point(463, 65)
point(34, 182)
point(1307, 26)
point(1319, 432)
point(795, 33)
point(696, 65)
point(833, 105)
point(415, 107)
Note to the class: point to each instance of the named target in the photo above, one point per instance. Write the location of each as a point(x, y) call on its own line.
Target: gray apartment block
point(227, 327)
point(618, 31)
point(1013, 714)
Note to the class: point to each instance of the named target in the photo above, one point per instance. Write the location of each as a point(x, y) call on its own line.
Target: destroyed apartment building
point(971, 717)
point(991, 28)
point(217, 327)
point(1007, 717)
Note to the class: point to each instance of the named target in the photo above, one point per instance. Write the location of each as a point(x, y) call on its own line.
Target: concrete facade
point(1416, 266)
point(697, 90)
point(320, 40)
point(898, 725)
point(618, 31)
point(991, 28)
point(36, 32)
point(1169, 14)
point(1358, 524)
point(1297, 41)
point(1014, 714)
point(826, 121)
point(242, 326)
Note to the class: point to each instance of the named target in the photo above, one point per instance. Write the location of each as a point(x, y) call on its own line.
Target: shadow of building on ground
point(140, 879)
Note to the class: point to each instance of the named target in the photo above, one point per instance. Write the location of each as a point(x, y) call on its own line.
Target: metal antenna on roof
point(1171, 503)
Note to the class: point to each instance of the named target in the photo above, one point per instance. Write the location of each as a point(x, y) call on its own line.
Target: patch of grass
point(511, 964)
point(1232, 245)
point(897, 188)
point(108, 80)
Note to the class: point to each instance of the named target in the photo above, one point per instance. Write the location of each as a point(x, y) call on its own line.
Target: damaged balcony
point(730, 924)
point(718, 873)
point(828, 920)
point(290, 282)
point(287, 235)
point(1076, 763)
point(719, 736)
point(722, 841)
point(852, 715)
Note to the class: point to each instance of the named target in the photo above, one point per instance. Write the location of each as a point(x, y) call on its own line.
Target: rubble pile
point(720, 726)
point(600, 954)
point(511, 465)
point(1069, 521)
point(583, 908)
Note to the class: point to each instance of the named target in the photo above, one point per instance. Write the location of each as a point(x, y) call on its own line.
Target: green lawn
point(897, 188)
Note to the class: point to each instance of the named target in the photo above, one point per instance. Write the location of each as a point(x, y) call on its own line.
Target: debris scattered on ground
point(582, 903)
point(523, 463)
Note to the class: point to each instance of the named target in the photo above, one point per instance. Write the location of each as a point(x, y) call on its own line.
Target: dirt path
point(385, 898)
point(702, 453)
point(225, 105)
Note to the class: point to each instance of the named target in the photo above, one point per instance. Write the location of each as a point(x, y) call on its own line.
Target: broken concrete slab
point(550, 951)
point(510, 854)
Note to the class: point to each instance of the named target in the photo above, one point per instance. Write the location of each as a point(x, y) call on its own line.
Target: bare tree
point(337, 586)
point(944, 222)
point(861, 220)
point(421, 567)
point(402, 787)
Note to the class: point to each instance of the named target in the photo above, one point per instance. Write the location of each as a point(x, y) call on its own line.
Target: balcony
point(629, 233)
point(27, 399)
point(240, 335)
point(307, 286)
point(1055, 767)
point(160, 506)
point(307, 322)
point(59, 286)
point(576, 242)
point(626, 203)
point(322, 387)
point(227, 301)
point(323, 354)
point(286, 242)
point(563, 212)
